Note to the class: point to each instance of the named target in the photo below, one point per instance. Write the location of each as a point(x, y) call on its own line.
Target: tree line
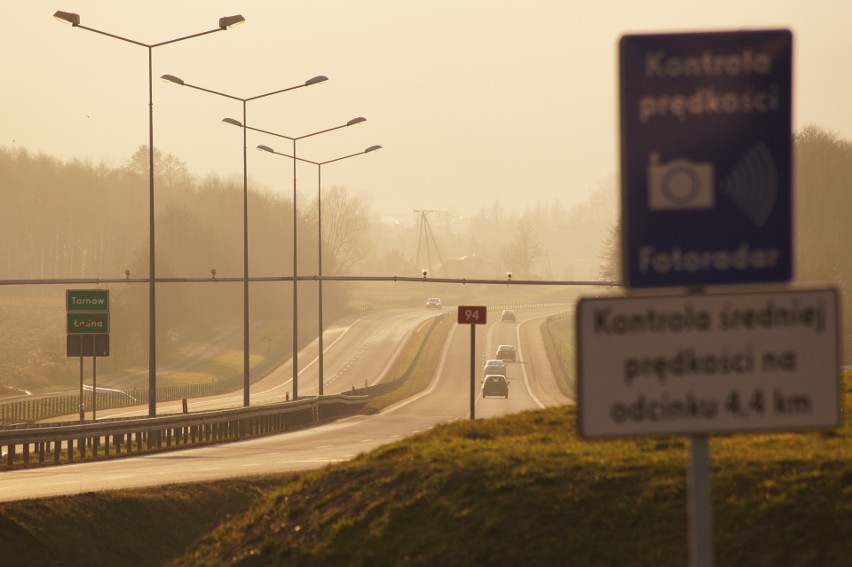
point(79, 220)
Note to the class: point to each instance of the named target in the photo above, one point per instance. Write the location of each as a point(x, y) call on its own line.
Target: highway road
point(359, 346)
point(366, 354)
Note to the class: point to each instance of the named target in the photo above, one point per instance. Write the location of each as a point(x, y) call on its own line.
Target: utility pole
point(425, 231)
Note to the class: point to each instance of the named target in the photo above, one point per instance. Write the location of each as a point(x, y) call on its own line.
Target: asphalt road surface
point(362, 350)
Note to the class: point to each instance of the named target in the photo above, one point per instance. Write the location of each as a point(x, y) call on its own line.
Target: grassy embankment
point(519, 489)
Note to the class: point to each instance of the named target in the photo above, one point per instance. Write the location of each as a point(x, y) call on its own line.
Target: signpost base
point(699, 504)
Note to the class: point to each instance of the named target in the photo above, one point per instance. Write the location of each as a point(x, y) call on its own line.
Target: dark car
point(495, 385)
point(508, 316)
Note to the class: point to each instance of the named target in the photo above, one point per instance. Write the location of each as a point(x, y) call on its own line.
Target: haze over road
point(373, 343)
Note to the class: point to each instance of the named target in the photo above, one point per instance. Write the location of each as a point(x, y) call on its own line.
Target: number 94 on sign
point(761, 402)
point(472, 314)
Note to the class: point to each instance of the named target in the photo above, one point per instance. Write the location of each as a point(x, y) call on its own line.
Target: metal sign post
point(87, 317)
point(699, 504)
point(82, 406)
point(94, 384)
point(473, 316)
point(472, 372)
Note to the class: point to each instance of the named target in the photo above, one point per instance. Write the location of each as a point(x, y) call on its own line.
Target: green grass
point(415, 366)
point(522, 489)
point(557, 332)
point(525, 489)
point(138, 527)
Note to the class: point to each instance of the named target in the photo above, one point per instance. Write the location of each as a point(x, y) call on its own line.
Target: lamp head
point(230, 21)
point(263, 148)
point(356, 121)
point(372, 149)
point(68, 18)
point(424, 274)
point(172, 79)
point(316, 80)
point(509, 276)
point(232, 121)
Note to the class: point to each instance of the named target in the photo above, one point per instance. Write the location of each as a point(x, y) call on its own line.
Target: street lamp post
point(295, 139)
point(319, 165)
point(224, 23)
point(246, 353)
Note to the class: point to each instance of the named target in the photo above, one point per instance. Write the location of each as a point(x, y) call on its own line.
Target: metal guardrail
point(42, 445)
point(46, 406)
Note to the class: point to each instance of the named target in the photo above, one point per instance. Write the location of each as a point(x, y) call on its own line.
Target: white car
point(494, 366)
point(433, 303)
point(508, 316)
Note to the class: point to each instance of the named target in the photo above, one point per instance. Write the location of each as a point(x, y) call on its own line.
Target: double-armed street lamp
point(224, 24)
point(246, 353)
point(319, 165)
point(295, 139)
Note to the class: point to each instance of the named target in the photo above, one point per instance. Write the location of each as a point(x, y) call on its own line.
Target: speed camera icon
point(680, 184)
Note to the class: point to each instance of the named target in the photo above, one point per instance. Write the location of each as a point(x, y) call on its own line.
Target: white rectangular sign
point(700, 364)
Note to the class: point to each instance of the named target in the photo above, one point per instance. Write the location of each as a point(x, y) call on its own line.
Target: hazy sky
point(472, 100)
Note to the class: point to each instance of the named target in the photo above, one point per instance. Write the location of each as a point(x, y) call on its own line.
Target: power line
point(426, 230)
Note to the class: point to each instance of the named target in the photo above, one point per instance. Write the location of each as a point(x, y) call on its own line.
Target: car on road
point(433, 303)
point(495, 385)
point(494, 366)
point(508, 316)
point(506, 352)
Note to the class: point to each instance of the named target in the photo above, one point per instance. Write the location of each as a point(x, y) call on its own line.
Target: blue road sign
point(706, 158)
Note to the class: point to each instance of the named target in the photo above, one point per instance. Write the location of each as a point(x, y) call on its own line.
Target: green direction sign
point(88, 324)
point(87, 300)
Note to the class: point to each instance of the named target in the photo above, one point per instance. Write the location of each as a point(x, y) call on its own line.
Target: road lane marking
point(523, 366)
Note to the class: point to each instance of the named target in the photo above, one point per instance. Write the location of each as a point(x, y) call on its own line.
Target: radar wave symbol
point(753, 184)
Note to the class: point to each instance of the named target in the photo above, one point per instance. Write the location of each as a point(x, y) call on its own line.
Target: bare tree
point(345, 230)
point(610, 258)
point(168, 169)
point(519, 256)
